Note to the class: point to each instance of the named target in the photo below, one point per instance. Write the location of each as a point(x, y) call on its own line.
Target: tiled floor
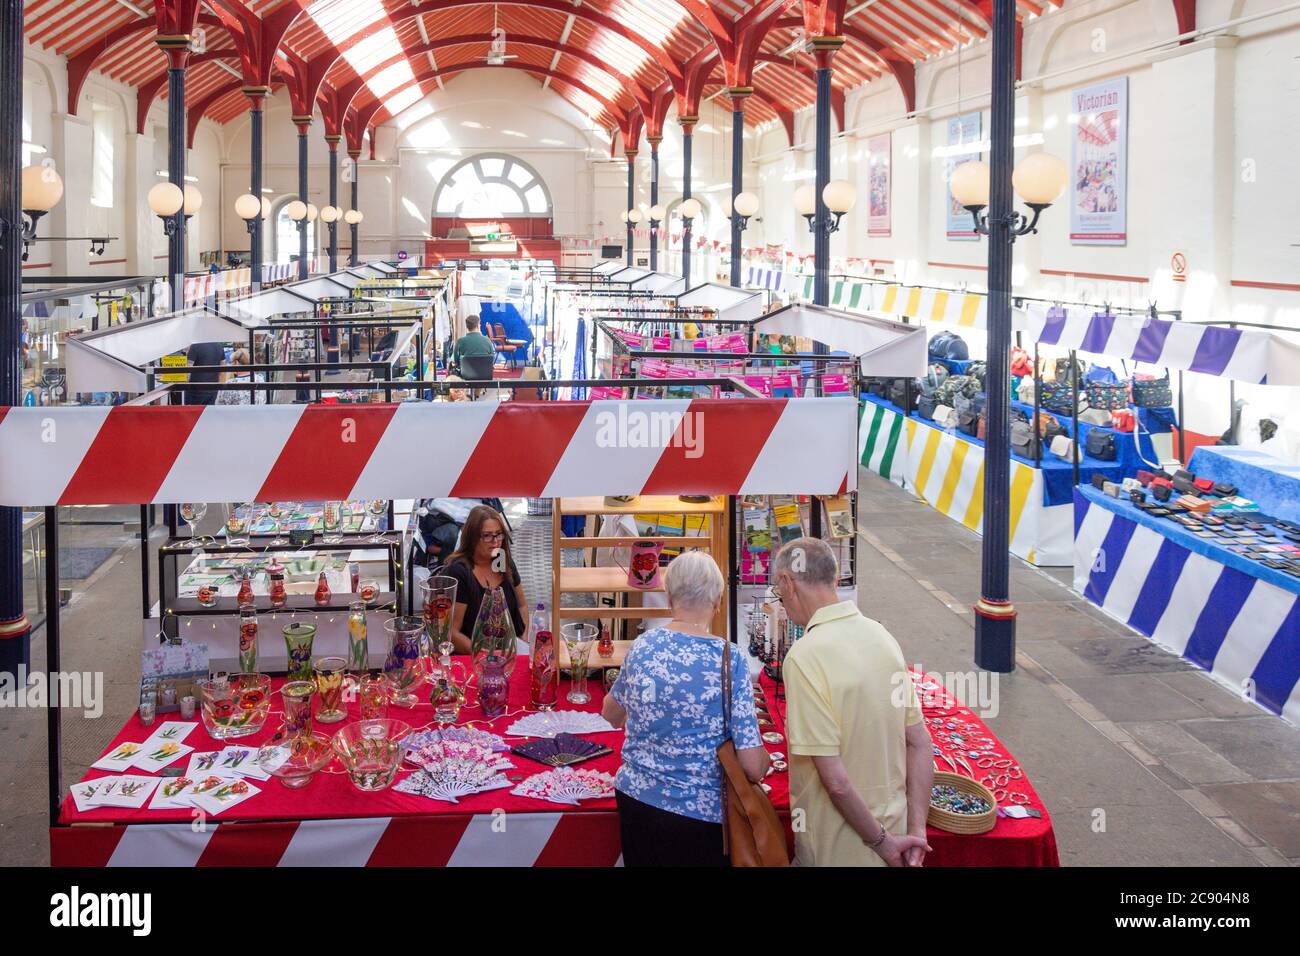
point(1141, 759)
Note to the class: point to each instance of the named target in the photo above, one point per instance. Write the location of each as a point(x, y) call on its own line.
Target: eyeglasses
point(493, 536)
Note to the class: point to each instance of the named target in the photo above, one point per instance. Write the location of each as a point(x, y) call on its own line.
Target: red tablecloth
point(1026, 842)
point(329, 822)
point(331, 795)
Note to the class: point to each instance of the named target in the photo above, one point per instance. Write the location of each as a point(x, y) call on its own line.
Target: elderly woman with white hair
point(669, 697)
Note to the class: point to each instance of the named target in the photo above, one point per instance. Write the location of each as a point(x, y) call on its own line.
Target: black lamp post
point(1039, 180)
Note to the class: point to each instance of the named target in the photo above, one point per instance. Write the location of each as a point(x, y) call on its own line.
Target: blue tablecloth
point(1209, 547)
point(1058, 474)
point(1126, 450)
point(1271, 483)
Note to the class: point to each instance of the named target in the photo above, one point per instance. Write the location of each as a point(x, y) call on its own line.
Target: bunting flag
point(173, 453)
point(1246, 355)
point(1243, 630)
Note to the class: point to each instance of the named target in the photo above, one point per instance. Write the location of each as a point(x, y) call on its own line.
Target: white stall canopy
point(113, 360)
point(660, 283)
point(608, 268)
point(885, 349)
point(730, 303)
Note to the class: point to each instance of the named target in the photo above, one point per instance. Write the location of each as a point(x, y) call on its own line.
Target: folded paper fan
point(565, 785)
point(561, 750)
point(550, 723)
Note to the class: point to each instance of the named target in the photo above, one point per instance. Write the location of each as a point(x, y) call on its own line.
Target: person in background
point(668, 697)
point(472, 342)
point(239, 396)
point(481, 564)
point(204, 353)
point(861, 761)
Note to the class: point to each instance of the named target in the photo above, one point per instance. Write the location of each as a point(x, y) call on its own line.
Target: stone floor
point(1141, 759)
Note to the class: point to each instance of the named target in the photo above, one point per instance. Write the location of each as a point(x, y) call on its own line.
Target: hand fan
point(562, 750)
point(550, 723)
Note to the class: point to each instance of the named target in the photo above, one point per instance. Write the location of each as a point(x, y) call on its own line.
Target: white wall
point(1211, 172)
point(139, 246)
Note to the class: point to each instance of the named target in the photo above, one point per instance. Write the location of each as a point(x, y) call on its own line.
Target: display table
point(1222, 611)
point(329, 823)
point(945, 469)
point(1025, 842)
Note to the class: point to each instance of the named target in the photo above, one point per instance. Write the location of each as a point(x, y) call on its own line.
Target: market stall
point(1213, 576)
point(333, 452)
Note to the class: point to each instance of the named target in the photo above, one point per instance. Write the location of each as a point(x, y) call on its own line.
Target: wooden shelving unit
point(613, 580)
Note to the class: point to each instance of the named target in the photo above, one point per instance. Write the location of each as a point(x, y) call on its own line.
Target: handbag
point(752, 834)
point(1109, 396)
point(1063, 370)
point(1095, 416)
point(1023, 440)
point(927, 403)
point(1123, 420)
point(1025, 391)
point(1059, 397)
point(1152, 393)
point(1061, 446)
point(898, 395)
point(943, 415)
point(1021, 363)
point(1100, 444)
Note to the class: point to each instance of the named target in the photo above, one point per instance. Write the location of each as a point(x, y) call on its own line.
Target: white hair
point(809, 561)
point(693, 580)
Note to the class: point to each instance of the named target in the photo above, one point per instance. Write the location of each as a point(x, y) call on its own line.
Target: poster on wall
point(1099, 164)
point(878, 185)
point(963, 131)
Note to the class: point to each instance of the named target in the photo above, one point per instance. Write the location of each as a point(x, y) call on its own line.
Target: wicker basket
point(963, 822)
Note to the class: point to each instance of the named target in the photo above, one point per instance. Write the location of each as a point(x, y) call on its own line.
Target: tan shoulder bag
point(752, 834)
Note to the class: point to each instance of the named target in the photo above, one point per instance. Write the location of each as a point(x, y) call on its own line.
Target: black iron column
point(823, 50)
point(256, 95)
point(304, 124)
point(654, 142)
point(177, 49)
point(995, 616)
point(738, 95)
point(15, 631)
point(353, 156)
point(688, 140)
point(631, 200)
point(333, 141)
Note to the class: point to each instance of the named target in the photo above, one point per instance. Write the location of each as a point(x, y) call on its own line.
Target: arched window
point(491, 186)
point(286, 234)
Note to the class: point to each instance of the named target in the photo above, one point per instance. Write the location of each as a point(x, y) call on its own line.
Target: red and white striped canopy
point(171, 454)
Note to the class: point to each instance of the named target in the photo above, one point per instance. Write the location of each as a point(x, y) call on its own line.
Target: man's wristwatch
point(879, 840)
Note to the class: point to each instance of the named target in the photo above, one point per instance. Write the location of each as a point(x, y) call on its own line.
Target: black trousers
point(654, 837)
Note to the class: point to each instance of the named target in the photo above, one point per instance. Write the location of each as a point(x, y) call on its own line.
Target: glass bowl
point(296, 760)
point(371, 751)
point(234, 706)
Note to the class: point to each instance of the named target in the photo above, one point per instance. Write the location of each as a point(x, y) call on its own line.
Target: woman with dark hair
point(481, 564)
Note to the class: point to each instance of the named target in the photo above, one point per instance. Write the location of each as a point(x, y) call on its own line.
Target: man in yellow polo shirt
point(861, 761)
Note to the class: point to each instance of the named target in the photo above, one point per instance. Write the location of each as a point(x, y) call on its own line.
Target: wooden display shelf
point(613, 580)
point(596, 662)
point(600, 580)
point(642, 504)
point(629, 613)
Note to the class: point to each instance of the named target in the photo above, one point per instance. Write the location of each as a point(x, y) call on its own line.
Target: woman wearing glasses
point(481, 564)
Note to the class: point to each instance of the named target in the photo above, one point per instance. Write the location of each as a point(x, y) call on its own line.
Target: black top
point(204, 353)
point(470, 593)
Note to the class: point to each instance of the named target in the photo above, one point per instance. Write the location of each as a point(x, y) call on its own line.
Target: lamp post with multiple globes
point(1039, 179)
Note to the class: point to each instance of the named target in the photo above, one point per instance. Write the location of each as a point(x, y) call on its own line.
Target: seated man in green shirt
point(472, 342)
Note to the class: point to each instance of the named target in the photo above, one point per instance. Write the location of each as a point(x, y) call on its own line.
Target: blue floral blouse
point(671, 688)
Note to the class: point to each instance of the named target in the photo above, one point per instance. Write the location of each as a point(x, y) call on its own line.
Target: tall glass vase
point(437, 598)
point(578, 641)
point(493, 644)
point(404, 667)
